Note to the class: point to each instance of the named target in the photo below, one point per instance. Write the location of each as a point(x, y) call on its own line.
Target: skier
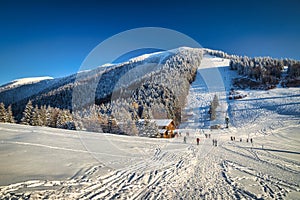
point(198, 140)
point(184, 139)
point(251, 140)
point(216, 143)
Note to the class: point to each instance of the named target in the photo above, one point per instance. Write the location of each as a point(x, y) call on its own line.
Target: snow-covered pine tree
point(216, 101)
point(124, 118)
point(36, 120)
point(151, 129)
point(61, 119)
point(3, 114)
point(43, 116)
point(213, 106)
point(212, 111)
point(48, 116)
point(10, 117)
point(54, 113)
point(64, 118)
point(27, 114)
point(294, 71)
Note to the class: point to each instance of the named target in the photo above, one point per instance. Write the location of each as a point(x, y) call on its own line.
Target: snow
point(145, 56)
point(42, 162)
point(213, 78)
point(159, 122)
point(159, 54)
point(25, 81)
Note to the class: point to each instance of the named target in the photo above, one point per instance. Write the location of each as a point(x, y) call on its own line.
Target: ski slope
point(213, 78)
point(40, 162)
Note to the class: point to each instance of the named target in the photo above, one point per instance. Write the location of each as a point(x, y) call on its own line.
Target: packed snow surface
point(40, 162)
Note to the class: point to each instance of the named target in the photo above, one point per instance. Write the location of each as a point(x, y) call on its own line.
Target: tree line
point(262, 72)
point(6, 115)
point(39, 116)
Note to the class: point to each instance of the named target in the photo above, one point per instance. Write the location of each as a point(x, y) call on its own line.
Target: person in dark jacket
point(184, 139)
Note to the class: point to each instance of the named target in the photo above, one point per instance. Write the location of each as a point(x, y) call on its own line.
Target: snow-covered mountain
point(159, 80)
point(58, 92)
point(24, 81)
point(257, 157)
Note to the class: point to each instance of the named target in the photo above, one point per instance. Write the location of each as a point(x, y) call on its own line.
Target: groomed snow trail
point(232, 170)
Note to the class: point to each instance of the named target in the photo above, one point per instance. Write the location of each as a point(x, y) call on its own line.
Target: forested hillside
point(113, 98)
point(154, 87)
point(262, 72)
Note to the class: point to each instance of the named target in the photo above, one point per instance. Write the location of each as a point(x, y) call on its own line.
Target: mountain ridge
point(157, 84)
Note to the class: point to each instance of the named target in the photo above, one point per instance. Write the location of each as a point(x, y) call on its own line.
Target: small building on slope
point(166, 127)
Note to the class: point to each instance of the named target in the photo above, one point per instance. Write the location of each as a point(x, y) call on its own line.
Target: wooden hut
point(166, 127)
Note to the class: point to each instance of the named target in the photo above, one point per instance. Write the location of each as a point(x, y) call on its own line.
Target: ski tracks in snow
point(228, 171)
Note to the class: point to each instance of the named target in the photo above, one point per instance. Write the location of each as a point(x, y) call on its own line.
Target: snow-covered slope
point(41, 162)
point(24, 81)
point(100, 82)
point(215, 78)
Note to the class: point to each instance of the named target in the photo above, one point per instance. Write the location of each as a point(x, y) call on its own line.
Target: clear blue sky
point(52, 38)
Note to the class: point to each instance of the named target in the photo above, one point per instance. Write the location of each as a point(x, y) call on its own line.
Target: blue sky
point(52, 38)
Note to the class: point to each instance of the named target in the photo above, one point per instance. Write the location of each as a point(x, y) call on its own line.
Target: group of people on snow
point(215, 142)
point(198, 139)
point(232, 138)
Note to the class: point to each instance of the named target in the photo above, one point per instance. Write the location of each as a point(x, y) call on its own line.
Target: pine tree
point(64, 118)
point(54, 113)
point(10, 117)
point(43, 116)
point(3, 115)
point(36, 120)
point(27, 114)
point(212, 111)
point(213, 106)
point(48, 116)
point(216, 101)
point(151, 129)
